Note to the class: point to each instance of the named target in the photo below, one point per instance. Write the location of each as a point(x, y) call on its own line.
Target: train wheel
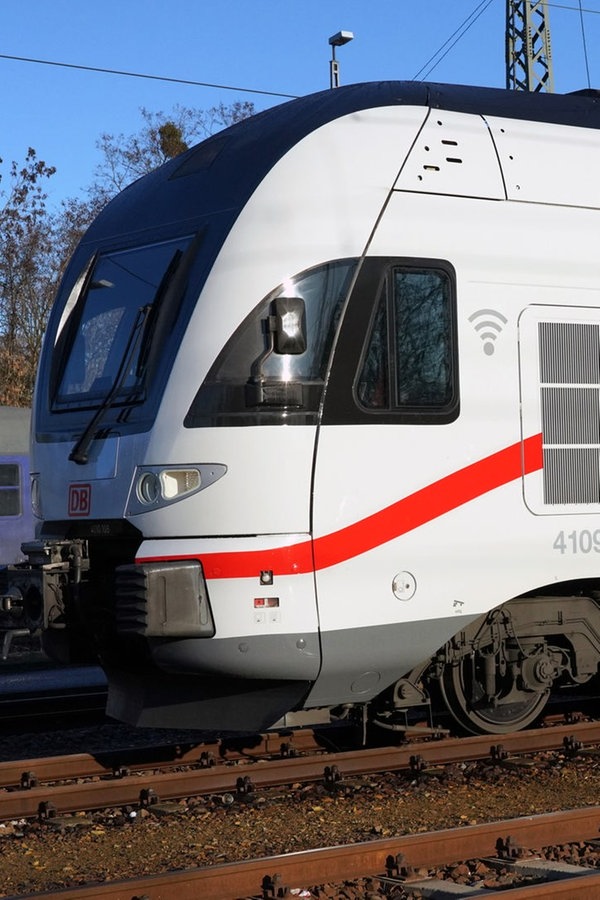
point(462, 689)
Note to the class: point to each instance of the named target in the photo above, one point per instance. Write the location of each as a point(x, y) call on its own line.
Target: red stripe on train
point(405, 515)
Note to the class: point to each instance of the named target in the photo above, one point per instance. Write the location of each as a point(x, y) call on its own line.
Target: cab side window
point(407, 358)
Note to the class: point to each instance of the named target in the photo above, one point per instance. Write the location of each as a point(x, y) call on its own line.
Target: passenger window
point(10, 490)
point(407, 363)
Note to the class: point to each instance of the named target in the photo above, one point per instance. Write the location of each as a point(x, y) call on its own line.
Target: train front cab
point(396, 509)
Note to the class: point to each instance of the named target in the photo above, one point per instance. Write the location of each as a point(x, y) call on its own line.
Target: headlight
point(148, 488)
point(177, 482)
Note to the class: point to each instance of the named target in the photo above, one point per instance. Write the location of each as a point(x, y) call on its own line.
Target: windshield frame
point(102, 351)
point(66, 423)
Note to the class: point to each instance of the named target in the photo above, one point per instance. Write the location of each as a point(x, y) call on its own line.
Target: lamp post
point(337, 40)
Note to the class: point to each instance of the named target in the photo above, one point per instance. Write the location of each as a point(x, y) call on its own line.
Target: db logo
point(80, 499)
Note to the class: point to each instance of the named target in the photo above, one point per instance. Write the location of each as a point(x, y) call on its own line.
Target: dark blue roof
point(218, 176)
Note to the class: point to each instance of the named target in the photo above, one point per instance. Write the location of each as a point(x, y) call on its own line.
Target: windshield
point(122, 290)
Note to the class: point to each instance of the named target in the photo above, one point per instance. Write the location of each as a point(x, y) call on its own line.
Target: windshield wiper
point(80, 452)
point(151, 321)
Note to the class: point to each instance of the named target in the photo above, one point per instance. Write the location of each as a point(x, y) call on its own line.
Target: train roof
point(217, 176)
point(14, 430)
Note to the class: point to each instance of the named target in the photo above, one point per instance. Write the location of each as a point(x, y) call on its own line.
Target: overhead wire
point(470, 20)
point(462, 29)
point(427, 67)
point(105, 71)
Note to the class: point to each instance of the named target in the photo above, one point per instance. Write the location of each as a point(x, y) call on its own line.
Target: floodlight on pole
point(337, 40)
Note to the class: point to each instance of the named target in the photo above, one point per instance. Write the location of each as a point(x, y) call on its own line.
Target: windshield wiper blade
point(80, 452)
point(159, 297)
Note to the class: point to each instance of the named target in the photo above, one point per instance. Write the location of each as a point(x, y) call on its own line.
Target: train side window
point(407, 362)
point(10, 490)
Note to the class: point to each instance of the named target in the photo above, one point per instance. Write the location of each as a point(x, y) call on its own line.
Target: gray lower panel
point(359, 663)
point(282, 656)
point(249, 683)
point(154, 699)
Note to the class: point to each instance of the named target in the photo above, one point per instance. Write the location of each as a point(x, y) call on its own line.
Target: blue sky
point(267, 45)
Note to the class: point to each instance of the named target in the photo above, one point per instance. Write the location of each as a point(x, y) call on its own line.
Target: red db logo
point(80, 499)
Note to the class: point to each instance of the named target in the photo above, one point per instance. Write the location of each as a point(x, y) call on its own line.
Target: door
point(380, 484)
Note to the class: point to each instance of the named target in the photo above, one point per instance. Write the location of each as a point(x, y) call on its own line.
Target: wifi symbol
point(488, 324)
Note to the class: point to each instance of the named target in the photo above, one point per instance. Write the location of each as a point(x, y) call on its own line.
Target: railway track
point(52, 791)
point(67, 784)
point(390, 862)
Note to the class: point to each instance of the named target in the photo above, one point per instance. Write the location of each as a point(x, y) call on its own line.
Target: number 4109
point(578, 541)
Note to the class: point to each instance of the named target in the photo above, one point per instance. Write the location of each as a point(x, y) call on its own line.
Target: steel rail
point(105, 763)
point(120, 791)
point(334, 864)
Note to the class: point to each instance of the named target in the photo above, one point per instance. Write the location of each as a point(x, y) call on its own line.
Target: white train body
point(331, 517)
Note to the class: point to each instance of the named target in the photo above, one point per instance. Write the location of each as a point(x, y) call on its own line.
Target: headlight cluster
point(167, 484)
point(157, 486)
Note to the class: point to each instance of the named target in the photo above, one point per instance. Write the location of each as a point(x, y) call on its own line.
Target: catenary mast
point(528, 52)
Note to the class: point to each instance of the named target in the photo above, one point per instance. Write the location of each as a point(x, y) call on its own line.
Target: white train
point(317, 422)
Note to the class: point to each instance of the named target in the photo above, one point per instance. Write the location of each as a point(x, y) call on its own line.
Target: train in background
point(16, 519)
point(316, 432)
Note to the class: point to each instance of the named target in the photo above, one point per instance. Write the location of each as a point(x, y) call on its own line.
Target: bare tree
point(159, 139)
point(26, 283)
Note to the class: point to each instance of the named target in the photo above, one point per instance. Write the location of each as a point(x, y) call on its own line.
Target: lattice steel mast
point(528, 53)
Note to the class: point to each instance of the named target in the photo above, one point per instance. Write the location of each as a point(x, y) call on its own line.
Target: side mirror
point(288, 325)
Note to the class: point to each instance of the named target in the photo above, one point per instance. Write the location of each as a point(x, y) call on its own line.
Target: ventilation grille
point(570, 411)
